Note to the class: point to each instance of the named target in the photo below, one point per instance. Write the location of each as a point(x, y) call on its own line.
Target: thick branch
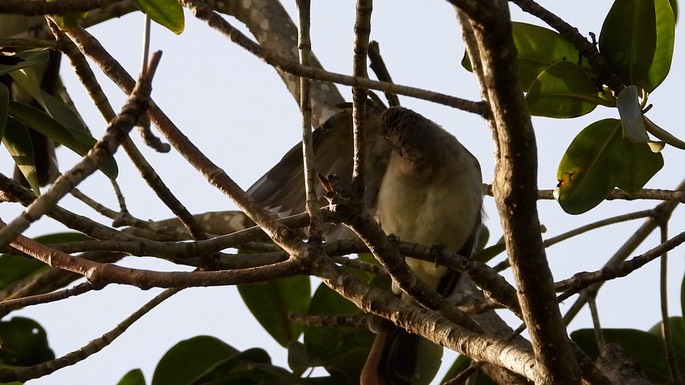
point(515, 187)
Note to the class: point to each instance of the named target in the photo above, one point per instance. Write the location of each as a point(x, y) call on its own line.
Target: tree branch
point(204, 12)
point(515, 187)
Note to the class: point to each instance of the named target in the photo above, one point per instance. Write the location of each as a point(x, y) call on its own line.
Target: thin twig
point(18, 303)
point(665, 319)
point(583, 229)
point(643, 194)
point(23, 374)
point(95, 205)
point(362, 29)
point(87, 78)
point(204, 12)
point(596, 324)
point(381, 70)
point(101, 153)
point(615, 270)
point(662, 212)
point(216, 176)
point(587, 49)
point(310, 180)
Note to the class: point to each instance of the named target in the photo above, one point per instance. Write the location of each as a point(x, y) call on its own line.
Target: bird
point(281, 189)
point(421, 184)
point(431, 193)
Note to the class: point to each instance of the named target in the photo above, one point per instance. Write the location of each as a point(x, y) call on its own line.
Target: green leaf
point(18, 142)
point(74, 139)
point(168, 13)
point(24, 342)
point(665, 41)
point(133, 377)
point(642, 164)
point(629, 109)
point(4, 107)
point(563, 90)
point(298, 360)
point(29, 80)
point(29, 59)
point(253, 366)
point(63, 114)
point(539, 48)
point(189, 359)
point(271, 302)
point(55, 108)
point(629, 42)
point(599, 159)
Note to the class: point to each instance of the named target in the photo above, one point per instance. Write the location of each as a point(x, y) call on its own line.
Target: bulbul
point(431, 194)
point(48, 75)
point(281, 189)
point(423, 186)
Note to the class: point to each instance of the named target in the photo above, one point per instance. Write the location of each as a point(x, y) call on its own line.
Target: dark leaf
point(74, 139)
point(429, 361)
point(4, 107)
point(298, 361)
point(189, 359)
point(637, 39)
point(271, 302)
point(24, 342)
point(133, 377)
point(677, 328)
point(18, 142)
point(643, 346)
point(340, 350)
point(29, 59)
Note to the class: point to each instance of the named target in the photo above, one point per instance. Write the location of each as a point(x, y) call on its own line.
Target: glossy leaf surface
point(563, 90)
point(598, 160)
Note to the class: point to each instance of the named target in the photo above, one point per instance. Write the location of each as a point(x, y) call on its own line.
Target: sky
point(236, 109)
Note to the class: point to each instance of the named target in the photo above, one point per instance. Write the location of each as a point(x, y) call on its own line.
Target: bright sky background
point(236, 109)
